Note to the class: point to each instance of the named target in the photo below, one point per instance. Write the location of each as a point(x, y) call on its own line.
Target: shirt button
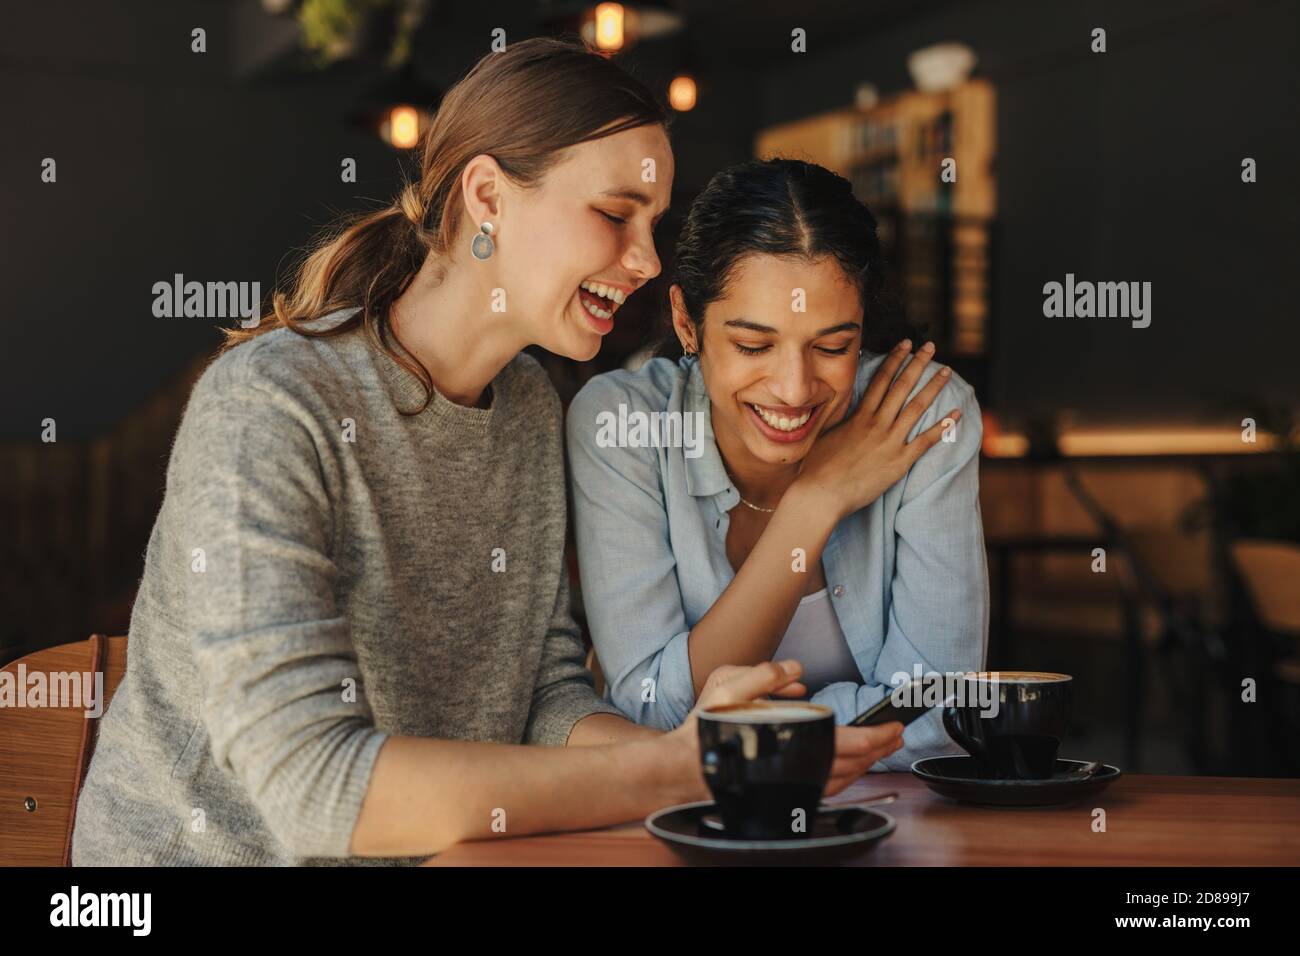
point(838, 590)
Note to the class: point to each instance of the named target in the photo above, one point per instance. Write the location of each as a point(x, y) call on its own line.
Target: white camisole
point(815, 640)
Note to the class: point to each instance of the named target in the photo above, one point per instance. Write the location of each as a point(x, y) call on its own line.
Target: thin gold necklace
point(747, 504)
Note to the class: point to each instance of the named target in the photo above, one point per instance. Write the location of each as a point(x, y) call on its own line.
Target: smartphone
point(887, 711)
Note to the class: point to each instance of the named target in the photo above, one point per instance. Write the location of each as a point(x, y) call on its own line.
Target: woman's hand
point(731, 684)
point(852, 464)
point(856, 748)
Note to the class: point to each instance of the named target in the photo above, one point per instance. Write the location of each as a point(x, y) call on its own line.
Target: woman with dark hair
point(802, 483)
point(354, 608)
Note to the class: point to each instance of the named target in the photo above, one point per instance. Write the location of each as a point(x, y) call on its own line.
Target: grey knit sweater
point(325, 572)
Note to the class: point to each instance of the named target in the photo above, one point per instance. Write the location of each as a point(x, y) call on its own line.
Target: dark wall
point(1123, 166)
point(165, 165)
point(1119, 166)
point(211, 165)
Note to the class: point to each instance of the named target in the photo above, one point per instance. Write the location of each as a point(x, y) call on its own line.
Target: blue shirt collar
point(705, 476)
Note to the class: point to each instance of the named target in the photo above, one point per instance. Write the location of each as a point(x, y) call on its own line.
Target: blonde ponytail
point(522, 106)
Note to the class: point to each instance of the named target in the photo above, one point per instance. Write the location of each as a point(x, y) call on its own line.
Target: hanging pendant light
point(607, 26)
point(398, 108)
point(616, 27)
point(682, 93)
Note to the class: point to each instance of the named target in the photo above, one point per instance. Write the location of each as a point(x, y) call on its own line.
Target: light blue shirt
point(908, 574)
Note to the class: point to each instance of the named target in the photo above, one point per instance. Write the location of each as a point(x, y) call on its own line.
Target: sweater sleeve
point(284, 700)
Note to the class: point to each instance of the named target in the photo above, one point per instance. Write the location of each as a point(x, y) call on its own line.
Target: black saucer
point(835, 834)
point(956, 777)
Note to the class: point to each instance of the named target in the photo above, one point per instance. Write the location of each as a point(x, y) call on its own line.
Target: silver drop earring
point(482, 247)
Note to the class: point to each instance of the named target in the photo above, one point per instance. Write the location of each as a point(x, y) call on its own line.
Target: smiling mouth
point(599, 299)
point(783, 418)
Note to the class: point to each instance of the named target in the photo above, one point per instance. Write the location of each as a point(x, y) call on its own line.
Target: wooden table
point(1150, 821)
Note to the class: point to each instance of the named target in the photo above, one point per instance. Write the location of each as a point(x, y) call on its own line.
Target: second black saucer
point(957, 778)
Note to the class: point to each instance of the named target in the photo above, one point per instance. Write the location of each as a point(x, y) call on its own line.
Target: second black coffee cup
point(1011, 722)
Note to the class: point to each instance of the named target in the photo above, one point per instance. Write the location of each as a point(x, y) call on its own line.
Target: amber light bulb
point(403, 127)
point(682, 93)
point(609, 26)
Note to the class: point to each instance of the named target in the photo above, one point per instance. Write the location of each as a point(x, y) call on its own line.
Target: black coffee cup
point(1011, 722)
point(766, 764)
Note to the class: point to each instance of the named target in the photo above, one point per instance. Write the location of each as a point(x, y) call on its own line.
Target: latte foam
point(760, 712)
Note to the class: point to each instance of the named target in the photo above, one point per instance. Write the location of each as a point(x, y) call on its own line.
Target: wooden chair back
point(46, 740)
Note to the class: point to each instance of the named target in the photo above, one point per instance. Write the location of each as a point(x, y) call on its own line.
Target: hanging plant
point(334, 30)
